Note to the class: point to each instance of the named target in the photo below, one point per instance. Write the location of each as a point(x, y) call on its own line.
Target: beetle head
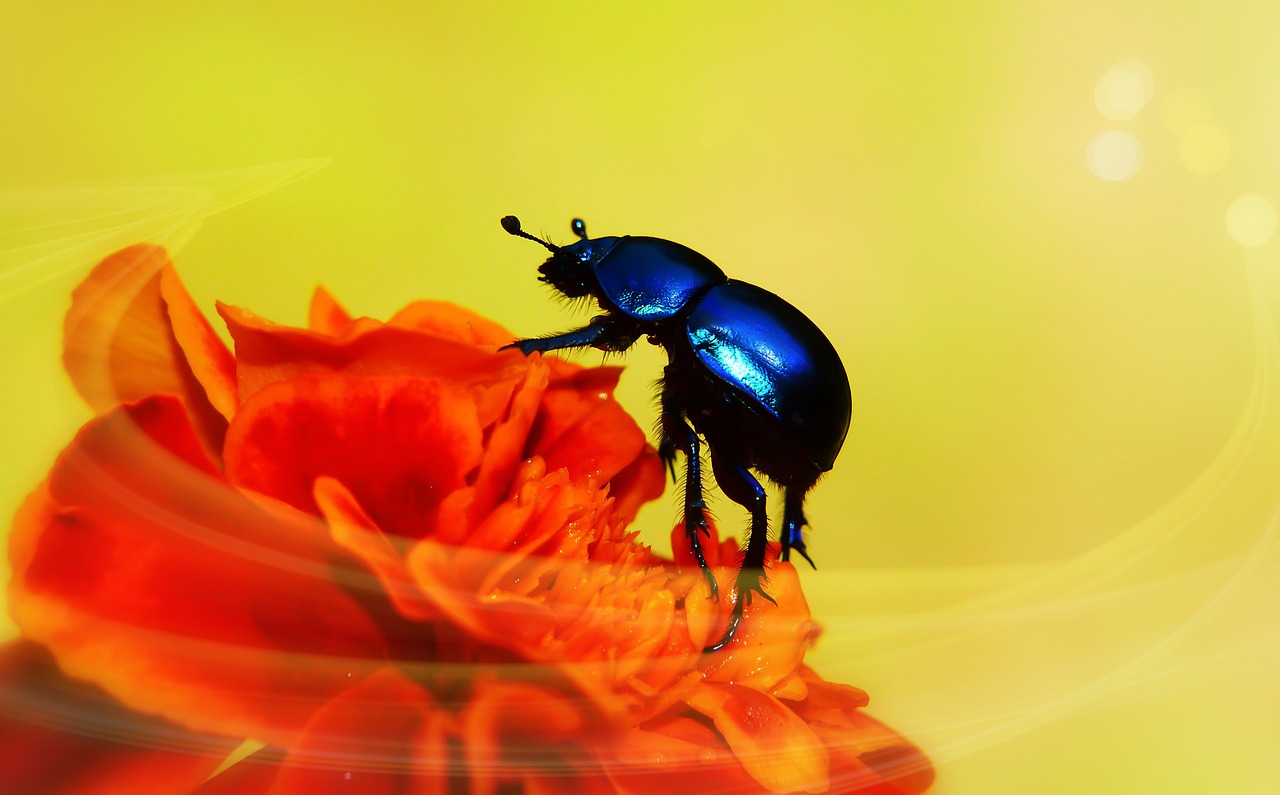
point(569, 269)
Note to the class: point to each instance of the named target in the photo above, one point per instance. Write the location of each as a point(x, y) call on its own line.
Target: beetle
point(747, 372)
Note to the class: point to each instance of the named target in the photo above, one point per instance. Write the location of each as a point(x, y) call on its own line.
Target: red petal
point(267, 353)
point(59, 735)
point(401, 445)
point(146, 573)
point(568, 400)
point(640, 482)
point(507, 441)
point(133, 331)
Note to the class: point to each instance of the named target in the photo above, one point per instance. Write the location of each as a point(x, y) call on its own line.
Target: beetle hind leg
point(739, 485)
point(793, 524)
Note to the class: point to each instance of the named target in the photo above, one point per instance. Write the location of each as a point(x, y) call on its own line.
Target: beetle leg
point(739, 485)
point(602, 332)
point(793, 523)
point(678, 433)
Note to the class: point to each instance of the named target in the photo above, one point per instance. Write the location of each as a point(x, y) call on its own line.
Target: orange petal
point(866, 755)
point(772, 638)
point(399, 444)
point(207, 356)
point(453, 322)
point(774, 745)
point(60, 735)
point(146, 573)
point(133, 331)
point(267, 353)
point(676, 755)
point(326, 315)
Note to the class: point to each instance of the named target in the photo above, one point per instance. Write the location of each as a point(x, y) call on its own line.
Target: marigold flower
point(393, 556)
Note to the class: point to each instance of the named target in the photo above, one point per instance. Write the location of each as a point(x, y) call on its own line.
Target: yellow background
point(1048, 548)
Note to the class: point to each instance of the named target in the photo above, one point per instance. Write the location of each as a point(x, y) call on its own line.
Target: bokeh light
point(1114, 155)
point(1204, 148)
point(1251, 220)
point(1124, 90)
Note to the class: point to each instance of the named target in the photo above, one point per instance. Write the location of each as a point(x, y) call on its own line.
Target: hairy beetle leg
point(601, 332)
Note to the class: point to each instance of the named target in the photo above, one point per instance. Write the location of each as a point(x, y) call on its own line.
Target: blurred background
point(1040, 234)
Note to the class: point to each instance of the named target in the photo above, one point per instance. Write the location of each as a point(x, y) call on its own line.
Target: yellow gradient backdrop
point(1040, 234)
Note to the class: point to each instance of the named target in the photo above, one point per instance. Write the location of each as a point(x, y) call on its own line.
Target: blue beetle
point(747, 372)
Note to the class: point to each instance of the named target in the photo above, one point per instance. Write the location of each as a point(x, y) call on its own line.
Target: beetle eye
point(579, 228)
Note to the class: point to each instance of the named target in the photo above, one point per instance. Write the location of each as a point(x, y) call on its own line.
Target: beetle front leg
point(603, 332)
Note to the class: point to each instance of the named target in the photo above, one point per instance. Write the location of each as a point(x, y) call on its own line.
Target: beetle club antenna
point(512, 226)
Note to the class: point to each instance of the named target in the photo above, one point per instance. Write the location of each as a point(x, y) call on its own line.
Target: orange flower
point(392, 555)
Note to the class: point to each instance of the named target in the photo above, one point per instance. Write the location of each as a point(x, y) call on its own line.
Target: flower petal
point(352, 528)
point(66, 736)
point(453, 322)
point(866, 755)
point(673, 754)
point(399, 444)
point(772, 637)
point(326, 315)
point(774, 745)
point(267, 353)
point(146, 573)
point(381, 734)
point(133, 331)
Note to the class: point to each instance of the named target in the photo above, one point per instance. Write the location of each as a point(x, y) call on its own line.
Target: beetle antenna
point(512, 226)
point(579, 227)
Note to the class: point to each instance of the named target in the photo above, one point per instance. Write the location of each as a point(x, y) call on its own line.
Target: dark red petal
point(60, 735)
point(401, 445)
point(352, 528)
point(133, 331)
point(384, 735)
point(146, 573)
